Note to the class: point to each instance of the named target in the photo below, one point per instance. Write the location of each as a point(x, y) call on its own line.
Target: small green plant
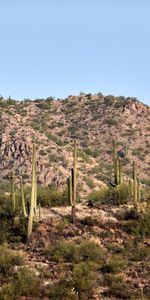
point(117, 287)
point(8, 260)
point(116, 195)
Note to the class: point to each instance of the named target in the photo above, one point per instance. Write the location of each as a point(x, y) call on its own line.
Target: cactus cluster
point(134, 184)
point(30, 215)
point(33, 201)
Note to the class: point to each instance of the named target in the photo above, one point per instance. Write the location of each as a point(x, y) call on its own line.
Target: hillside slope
point(94, 120)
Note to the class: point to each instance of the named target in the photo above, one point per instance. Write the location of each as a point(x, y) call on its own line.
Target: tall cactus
point(116, 164)
point(73, 206)
point(120, 171)
point(135, 196)
point(23, 198)
point(131, 187)
point(35, 187)
point(13, 196)
point(73, 182)
point(33, 195)
point(75, 175)
point(138, 190)
point(70, 189)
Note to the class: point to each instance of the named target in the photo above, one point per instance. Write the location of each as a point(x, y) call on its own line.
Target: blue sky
point(62, 47)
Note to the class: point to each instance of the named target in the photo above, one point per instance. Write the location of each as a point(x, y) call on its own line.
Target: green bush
point(89, 221)
point(101, 196)
point(117, 195)
point(117, 287)
point(8, 260)
point(121, 194)
point(128, 214)
point(13, 226)
point(75, 253)
point(139, 227)
point(84, 278)
point(116, 264)
point(50, 197)
point(22, 284)
point(63, 290)
point(78, 286)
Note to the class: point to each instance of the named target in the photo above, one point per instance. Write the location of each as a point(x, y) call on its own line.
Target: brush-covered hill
point(94, 120)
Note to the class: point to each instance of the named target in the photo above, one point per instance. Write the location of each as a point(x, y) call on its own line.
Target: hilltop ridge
point(94, 120)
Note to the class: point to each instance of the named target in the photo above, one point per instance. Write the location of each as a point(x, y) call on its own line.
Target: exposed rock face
point(94, 120)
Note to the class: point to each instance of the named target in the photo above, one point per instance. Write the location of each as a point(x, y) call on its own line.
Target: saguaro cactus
point(23, 198)
point(116, 164)
point(138, 190)
point(39, 211)
point(134, 185)
point(33, 195)
point(13, 196)
point(73, 183)
point(75, 175)
point(70, 189)
point(120, 171)
point(131, 187)
point(35, 187)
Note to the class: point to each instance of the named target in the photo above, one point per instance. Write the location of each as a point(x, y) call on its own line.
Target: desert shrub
point(79, 286)
point(121, 194)
point(84, 260)
point(8, 260)
point(42, 152)
point(90, 183)
point(109, 100)
point(62, 225)
point(111, 122)
point(89, 221)
point(128, 214)
point(22, 284)
point(75, 253)
point(44, 103)
point(63, 290)
point(101, 195)
point(55, 139)
point(117, 195)
point(50, 197)
point(114, 248)
point(142, 253)
point(117, 287)
point(13, 226)
point(84, 278)
point(139, 227)
point(116, 264)
point(143, 228)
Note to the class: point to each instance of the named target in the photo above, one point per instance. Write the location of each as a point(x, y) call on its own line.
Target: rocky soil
point(108, 232)
point(94, 120)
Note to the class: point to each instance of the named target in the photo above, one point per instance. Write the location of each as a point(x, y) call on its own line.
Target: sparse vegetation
point(79, 247)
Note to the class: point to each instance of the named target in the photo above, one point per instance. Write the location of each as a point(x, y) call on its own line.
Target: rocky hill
point(94, 120)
